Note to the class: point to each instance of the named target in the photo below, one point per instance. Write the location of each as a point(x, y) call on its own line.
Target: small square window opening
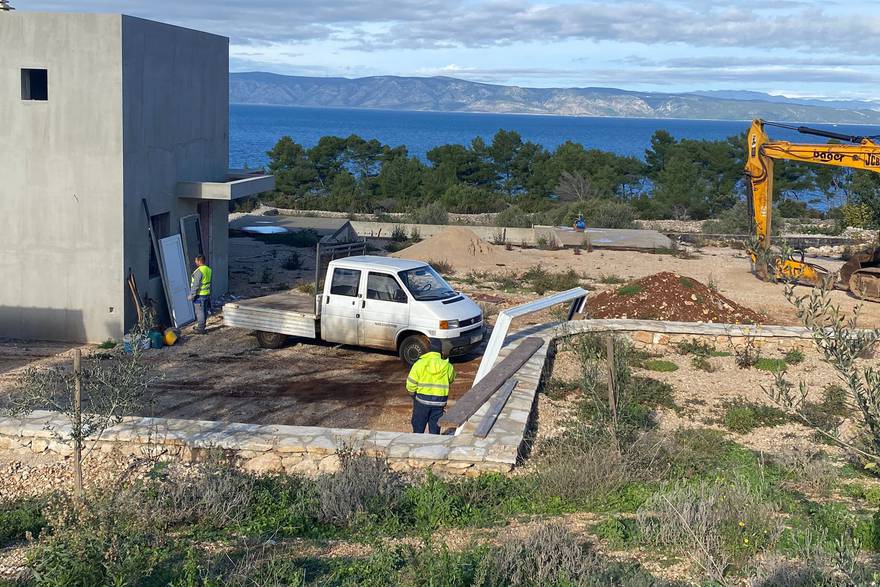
point(34, 84)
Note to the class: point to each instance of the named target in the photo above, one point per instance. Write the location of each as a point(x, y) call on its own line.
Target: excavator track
point(865, 284)
point(861, 275)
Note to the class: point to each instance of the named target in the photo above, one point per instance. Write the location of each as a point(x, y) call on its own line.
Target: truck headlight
point(448, 324)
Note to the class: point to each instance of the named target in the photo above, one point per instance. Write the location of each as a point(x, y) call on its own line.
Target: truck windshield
point(425, 284)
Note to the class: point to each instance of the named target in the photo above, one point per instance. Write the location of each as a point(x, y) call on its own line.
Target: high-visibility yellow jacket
point(200, 282)
point(430, 378)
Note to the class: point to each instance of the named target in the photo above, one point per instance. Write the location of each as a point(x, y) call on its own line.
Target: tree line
point(678, 179)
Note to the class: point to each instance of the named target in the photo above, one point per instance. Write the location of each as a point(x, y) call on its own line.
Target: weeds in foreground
point(660, 365)
point(713, 525)
point(747, 353)
point(611, 279)
point(442, 266)
point(742, 417)
point(19, 518)
point(629, 290)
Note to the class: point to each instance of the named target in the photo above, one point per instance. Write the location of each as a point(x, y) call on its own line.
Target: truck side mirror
point(400, 297)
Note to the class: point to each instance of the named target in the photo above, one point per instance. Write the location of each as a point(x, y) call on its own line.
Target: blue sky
point(794, 47)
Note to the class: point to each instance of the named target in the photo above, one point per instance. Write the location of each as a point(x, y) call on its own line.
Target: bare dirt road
point(224, 375)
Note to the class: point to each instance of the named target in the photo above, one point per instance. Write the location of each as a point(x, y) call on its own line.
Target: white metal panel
point(268, 320)
point(177, 280)
point(502, 324)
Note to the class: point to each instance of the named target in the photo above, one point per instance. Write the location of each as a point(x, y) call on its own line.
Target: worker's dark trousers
point(429, 416)
point(202, 306)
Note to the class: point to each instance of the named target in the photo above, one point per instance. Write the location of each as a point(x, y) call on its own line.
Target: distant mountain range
point(446, 94)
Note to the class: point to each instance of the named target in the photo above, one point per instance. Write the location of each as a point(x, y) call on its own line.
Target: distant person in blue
point(580, 224)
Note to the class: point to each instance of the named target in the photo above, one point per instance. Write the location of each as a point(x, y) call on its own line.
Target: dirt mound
point(455, 243)
point(668, 296)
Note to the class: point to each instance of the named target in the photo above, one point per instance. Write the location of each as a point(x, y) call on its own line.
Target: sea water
point(255, 129)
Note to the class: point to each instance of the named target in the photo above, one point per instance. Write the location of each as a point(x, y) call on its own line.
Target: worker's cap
point(436, 345)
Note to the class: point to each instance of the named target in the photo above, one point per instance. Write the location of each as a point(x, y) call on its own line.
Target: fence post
point(612, 381)
point(77, 423)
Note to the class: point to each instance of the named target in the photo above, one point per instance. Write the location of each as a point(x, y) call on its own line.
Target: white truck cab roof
point(379, 263)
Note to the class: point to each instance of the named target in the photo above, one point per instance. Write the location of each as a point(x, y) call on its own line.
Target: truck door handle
point(363, 303)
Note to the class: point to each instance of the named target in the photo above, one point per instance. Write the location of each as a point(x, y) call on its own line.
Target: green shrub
point(698, 348)
point(548, 555)
point(696, 451)
point(714, 524)
point(660, 365)
point(307, 288)
point(514, 217)
point(772, 365)
point(609, 213)
point(629, 290)
point(394, 246)
point(743, 417)
point(107, 344)
point(747, 354)
point(363, 485)
point(794, 357)
point(116, 540)
point(433, 213)
point(735, 220)
point(650, 393)
point(617, 532)
point(829, 413)
point(703, 364)
point(542, 280)
point(283, 506)
point(20, 517)
point(443, 266)
point(398, 234)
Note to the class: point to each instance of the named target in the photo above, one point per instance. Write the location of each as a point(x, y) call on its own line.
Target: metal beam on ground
point(470, 402)
point(578, 297)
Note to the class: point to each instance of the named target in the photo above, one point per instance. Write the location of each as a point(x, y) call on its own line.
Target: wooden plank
point(495, 408)
point(471, 401)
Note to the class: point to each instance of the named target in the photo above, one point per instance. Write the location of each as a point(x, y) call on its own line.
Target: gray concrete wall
point(176, 120)
point(61, 178)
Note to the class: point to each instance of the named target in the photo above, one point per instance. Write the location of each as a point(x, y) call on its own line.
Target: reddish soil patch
point(668, 296)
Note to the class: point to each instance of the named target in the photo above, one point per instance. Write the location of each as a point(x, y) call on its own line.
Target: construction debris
point(669, 296)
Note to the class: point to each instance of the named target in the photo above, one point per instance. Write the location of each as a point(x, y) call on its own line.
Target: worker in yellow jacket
point(428, 384)
point(200, 293)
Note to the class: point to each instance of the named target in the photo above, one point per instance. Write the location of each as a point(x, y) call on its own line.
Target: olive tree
point(92, 393)
point(837, 337)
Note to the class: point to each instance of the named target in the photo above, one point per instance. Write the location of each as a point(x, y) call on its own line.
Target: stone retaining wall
point(312, 450)
point(304, 449)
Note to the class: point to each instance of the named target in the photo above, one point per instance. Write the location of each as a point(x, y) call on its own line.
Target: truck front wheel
point(270, 340)
point(413, 347)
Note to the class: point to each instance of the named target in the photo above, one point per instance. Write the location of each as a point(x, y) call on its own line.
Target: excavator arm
point(862, 153)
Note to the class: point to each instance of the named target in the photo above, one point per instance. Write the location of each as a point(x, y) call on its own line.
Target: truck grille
point(469, 321)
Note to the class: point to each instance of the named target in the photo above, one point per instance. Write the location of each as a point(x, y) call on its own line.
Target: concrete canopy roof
point(239, 184)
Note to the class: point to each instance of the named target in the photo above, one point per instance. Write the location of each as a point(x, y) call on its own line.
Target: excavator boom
point(863, 154)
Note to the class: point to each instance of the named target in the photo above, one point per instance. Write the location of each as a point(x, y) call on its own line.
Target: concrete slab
point(623, 238)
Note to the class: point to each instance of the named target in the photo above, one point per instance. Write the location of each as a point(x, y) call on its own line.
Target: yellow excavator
point(861, 274)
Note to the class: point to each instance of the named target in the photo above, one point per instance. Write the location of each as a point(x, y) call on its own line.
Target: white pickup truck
point(369, 301)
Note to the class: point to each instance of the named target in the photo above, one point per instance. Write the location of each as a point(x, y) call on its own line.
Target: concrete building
point(100, 114)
